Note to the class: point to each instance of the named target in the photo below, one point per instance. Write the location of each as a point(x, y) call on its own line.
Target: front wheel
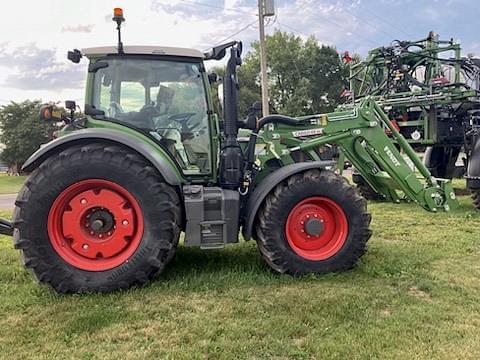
point(365, 189)
point(96, 218)
point(313, 222)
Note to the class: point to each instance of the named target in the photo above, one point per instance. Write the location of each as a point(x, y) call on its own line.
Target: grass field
point(415, 294)
point(10, 184)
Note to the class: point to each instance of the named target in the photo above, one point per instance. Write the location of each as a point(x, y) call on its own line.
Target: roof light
point(118, 12)
point(118, 18)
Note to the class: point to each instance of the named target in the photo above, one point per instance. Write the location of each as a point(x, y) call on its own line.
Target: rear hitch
point(6, 227)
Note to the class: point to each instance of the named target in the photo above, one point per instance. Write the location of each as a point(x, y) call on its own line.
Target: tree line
point(304, 78)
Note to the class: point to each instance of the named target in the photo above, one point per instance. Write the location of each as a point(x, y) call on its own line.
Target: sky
point(35, 35)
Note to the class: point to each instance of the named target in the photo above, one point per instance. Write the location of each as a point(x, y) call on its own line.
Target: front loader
point(106, 202)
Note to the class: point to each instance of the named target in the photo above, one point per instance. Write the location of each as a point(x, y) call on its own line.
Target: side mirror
point(50, 113)
point(74, 56)
point(251, 121)
point(70, 105)
point(213, 78)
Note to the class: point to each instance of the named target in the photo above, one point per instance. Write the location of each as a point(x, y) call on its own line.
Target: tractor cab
point(161, 91)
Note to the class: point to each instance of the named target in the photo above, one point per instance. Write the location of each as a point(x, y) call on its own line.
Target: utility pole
point(263, 58)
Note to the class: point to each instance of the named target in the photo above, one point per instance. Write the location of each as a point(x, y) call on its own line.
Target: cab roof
point(143, 50)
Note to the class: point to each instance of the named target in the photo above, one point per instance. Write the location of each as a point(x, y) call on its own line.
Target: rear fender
point(152, 152)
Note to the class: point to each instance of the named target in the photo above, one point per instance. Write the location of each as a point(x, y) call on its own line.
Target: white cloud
point(38, 69)
point(78, 28)
point(34, 43)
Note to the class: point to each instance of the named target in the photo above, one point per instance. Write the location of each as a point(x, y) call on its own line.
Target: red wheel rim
point(316, 228)
point(95, 225)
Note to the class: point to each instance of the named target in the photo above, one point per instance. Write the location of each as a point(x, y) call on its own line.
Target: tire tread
point(61, 280)
point(267, 220)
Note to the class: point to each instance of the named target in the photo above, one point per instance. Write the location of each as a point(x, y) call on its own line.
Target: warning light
point(118, 12)
point(118, 18)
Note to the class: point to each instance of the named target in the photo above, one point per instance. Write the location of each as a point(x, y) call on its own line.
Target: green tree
point(22, 131)
point(249, 88)
point(304, 77)
point(249, 79)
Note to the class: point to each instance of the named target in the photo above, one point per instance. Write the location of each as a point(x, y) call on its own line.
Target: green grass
point(10, 184)
point(415, 294)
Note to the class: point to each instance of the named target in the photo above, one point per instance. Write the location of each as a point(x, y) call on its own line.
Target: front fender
point(256, 198)
point(151, 151)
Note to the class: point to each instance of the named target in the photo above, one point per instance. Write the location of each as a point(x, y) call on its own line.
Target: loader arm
point(360, 134)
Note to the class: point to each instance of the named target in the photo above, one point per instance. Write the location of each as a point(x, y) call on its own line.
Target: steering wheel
point(183, 119)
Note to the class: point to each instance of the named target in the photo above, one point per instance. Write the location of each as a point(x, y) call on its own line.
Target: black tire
point(365, 189)
point(476, 199)
point(441, 160)
point(272, 219)
point(368, 193)
point(158, 202)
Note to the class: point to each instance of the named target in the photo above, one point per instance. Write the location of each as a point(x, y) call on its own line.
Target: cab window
point(164, 98)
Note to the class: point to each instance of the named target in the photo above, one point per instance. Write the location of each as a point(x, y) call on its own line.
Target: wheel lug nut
point(87, 225)
point(109, 233)
point(85, 247)
point(83, 201)
point(100, 236)
point(125, 222)
point(91, 233)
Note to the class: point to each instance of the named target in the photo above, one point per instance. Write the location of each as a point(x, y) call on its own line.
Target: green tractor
point(107, 200)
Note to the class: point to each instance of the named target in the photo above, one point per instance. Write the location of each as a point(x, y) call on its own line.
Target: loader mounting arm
point(360, 133)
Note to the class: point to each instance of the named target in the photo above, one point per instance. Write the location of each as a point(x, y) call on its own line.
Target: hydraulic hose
point(277, 119)
point(270, 119)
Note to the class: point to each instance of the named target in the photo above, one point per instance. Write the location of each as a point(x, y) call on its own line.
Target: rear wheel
point(313, 222)
point(96, 218)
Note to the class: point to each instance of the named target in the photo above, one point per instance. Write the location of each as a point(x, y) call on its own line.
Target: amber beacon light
point(118, 12)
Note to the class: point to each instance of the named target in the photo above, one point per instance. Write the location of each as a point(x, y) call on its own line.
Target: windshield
point(165, 98)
